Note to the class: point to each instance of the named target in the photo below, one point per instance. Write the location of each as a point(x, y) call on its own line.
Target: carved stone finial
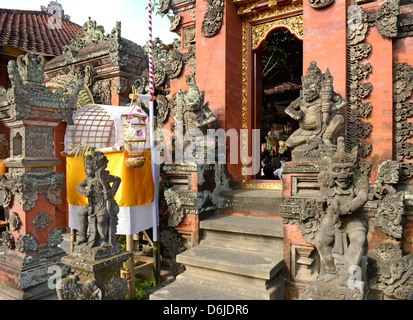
point(30, 67)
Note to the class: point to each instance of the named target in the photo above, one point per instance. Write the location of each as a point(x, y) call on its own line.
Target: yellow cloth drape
point(136, 188)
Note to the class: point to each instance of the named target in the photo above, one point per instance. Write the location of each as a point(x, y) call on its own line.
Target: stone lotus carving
point(99, 215)
point(316, 112)
point(41, 220)
point(26, 243)
point(14, 222)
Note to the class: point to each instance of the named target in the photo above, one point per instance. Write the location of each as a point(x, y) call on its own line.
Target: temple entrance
point(278, 67)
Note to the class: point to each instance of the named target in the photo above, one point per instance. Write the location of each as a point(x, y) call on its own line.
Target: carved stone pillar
point(31, 187)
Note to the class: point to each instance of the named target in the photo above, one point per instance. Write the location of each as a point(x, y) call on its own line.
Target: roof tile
point(30, 31)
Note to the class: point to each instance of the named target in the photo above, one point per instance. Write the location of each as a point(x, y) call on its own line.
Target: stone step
point(230, 282)
point(232, 261)
point(251, 225)
point(268, 201)
point(249, 234)
point(179, 290)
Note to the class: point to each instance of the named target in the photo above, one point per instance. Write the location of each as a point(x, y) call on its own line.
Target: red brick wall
point(325, 40)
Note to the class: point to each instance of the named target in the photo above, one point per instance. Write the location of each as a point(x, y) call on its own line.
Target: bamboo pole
point(131, 267)
point(156, 253)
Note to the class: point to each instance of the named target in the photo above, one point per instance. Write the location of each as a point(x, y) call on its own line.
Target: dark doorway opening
point(278, 70)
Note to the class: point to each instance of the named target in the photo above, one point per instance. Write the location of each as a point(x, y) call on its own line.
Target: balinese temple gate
point(323, 217)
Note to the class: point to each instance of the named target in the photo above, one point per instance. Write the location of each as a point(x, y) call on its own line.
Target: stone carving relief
point(357, 109)
point(100, 214)
point(386, 18)
point(316, 113)
point(358, 22)
point(390, 213)
point(15, 222)
point(119, 85)
point(41, 220)
point(162, 109)
point(55, 237)
point(317, 4)
point(28, 89)
point(164, 6)
point(402, 90)
point(91, 34)
point(7, 240)
point(175, 20)
point(174, 207)
point(26, 243)
point(4, 147)
point(101, 92)
point(71, 288)
point(212, 21)
point(391, 272)
point(175, 63)
point(189, 35)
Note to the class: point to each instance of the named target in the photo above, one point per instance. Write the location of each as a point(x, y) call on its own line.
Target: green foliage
point(281, 56)
point(141, 285)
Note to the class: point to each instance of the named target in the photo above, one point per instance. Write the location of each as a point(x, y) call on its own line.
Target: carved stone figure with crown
point(341, 236)
point(316, 112)
point(192, 110)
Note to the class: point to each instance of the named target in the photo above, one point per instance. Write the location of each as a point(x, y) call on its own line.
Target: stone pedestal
point(105, 274)
point(298, 210)
point(29, 275)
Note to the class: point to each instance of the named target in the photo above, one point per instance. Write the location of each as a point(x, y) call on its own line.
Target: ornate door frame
point(257, 23)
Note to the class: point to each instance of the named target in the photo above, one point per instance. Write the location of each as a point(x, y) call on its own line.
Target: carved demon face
point(342, 174)
point(311, 91)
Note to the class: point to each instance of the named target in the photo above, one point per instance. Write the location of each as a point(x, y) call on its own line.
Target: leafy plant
point(281, 56)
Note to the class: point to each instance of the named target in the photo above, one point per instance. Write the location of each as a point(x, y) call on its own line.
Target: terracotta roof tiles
point(30, 31)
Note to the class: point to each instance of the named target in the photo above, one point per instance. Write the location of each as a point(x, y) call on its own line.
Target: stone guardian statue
point(316, 111)
point(99, 215)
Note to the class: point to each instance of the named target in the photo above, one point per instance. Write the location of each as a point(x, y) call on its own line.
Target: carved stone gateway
point(31, 187)
point(97, 257)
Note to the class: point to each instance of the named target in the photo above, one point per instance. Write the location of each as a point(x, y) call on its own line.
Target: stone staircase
point(238, 258)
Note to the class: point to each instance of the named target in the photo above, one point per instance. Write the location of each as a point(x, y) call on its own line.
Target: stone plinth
point(333, 291)
point(300, 177)
point(298, 210)
point(105, 274)
point(29, 275)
